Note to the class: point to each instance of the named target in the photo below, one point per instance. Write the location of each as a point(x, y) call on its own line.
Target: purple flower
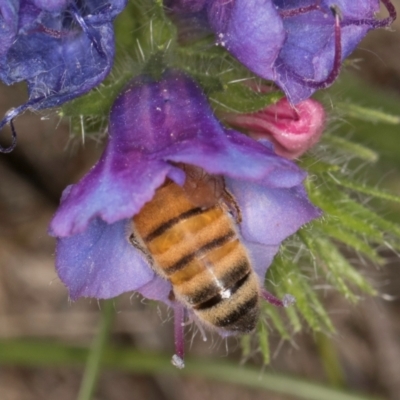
point(297, 44)
point(61, 48)
point(154, 125)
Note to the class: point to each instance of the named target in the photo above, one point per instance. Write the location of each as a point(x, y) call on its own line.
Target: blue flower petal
point(295, 49)
point(51, 5)
point(8, 24)
point(309, 48)
point(251, 30)
point(261, 257)
point(270, 215)
point(157, 289)
point(116, 188)
point(152, 124)
point(60, 50)
point(100, 262)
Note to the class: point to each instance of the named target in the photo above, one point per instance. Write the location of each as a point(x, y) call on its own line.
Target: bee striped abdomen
point(198, 251)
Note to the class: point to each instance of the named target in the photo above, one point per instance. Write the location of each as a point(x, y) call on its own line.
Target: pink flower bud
point(292, 130)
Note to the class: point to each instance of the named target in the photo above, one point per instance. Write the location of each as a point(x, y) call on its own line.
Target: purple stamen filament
point(8, 119)
point(10, 148)
point(338, 37)
point(374, 24)
point(301, 10)
point(336, 61)
point(179, 317)
point(271, 299)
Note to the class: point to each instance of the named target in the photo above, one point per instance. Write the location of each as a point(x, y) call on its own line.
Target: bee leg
point(231, 206)
point(287, 300)
point(179, 318)
point(136, 243)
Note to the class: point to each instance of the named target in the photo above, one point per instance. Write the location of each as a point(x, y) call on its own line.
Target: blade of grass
point(93, 363)
point(45, 354)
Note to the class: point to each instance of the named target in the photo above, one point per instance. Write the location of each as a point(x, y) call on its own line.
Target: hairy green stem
point(94, 359)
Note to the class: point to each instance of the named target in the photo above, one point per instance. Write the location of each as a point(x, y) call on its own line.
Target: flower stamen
point(294, 12)
point(179, 330)
point(336, 61)
point(10, 148)
point(286, 301)
point(8, 119)
point(374, 24)
point(85, 27)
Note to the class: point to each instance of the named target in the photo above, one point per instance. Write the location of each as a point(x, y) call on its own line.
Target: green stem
point(330, 361)
point(21, 353)
point(94, 359)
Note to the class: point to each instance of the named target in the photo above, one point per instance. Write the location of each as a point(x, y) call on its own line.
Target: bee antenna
point(179, 330)
point(286, 301)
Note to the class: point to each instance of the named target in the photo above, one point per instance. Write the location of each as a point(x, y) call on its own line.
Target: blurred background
point(363, 356)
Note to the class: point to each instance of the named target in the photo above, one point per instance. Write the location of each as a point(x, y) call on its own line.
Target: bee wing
point(205, 190)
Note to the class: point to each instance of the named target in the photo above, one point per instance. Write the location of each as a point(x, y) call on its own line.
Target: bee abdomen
point(164, 227)
point(180, 242)
point(229, 277)
point(220, 296)
point(198, 254)
point(198, 250)
point(236, 309)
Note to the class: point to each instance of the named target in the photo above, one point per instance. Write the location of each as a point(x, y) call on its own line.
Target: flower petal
point(8, 24)
point(270, 215)
point(51, 5)
point(157, 289)
point(100, 262)
point(309, 47)
point(251, 30)
point(59, 57)
point(289, 42)
point(116, 188)
point(261, 257)
point(151, 124)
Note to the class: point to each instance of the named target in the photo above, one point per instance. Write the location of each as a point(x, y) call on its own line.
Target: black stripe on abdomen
point(230, 278)
point(237, 313)
point(173, 221)
point(180, 264)
point(218, 298)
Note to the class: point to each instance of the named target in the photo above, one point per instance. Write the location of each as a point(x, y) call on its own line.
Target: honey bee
point(189, 233)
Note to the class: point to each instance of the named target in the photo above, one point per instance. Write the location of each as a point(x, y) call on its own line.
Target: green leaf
point(364, 188)
point(330, 360)
point(337, 269)
point(98, 101)
point(346, 211)
point(290, 279)
point(353, 215)
point(241, 99)
point(273, 314)
point(245, 344)
point(329, 227)
point(264, 343)
point(350, 147)
point(315, 166)
point(367, 113)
